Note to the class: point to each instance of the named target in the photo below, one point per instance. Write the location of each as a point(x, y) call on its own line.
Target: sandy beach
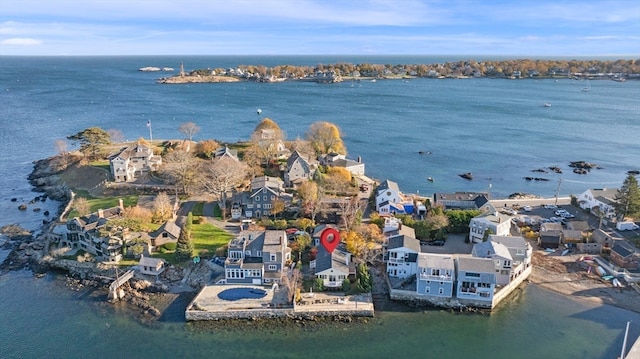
point(566, 275)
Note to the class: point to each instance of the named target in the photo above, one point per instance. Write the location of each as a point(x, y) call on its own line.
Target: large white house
point(402, 256)
point(131, 161)
point(498, 223)
point(599, 200)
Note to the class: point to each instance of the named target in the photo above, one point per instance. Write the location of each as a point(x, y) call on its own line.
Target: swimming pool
point(233, 294)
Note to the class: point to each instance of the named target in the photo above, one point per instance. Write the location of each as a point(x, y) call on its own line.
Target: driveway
point(454, 245)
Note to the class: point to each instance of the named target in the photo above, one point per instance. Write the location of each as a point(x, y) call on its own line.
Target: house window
point(477, 275)
point(264, 198)
point(273, 197)
point(427, 290)
point(440, 291)
point(273, 267)
point(272, 257)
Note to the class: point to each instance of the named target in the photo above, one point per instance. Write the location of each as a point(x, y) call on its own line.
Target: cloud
point(21, 41)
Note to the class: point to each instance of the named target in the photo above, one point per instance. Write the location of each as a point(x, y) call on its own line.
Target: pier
point(114, 288)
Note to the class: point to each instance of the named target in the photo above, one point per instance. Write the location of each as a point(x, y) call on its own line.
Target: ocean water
point(493, 128)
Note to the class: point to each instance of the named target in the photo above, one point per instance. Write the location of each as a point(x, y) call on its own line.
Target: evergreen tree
point(184, 247)
point(91, 140)
point(628, 198)
point(364, 281)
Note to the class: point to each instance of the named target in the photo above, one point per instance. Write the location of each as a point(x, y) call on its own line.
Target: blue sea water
point(493, 128)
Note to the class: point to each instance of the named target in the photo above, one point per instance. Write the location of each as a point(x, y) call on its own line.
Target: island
point(270, 228)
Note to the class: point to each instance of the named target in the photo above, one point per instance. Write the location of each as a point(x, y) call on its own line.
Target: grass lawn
point(103, 203)
point(101, 164)
point(208, 237)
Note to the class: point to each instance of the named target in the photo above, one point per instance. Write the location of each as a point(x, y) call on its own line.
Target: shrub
point(346, 285)
point(318, 285)
point(169, 246)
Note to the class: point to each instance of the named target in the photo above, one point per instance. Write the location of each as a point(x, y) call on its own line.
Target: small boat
point(429, 179)
point(549, 250)
point(616, 282)
point(607, 277)
point(546, 104)
point(587, 88)
point(467, 176)
point(373, 80)
point(565, 252)
point(601, 270)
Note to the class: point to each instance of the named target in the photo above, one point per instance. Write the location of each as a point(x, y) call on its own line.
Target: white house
point(334, 159)
point(498, 223)
point(599, 200)
point(333, 268)
point(150, 266)
point(402, 256)
point(128, 163)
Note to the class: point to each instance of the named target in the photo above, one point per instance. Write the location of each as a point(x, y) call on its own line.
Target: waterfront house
point(393, 226)
point(85, 233)
point(334, 159)
point(401, 256)
point(476, 279)
point(257, 257)
point(333, 268)
point(127, 164)
point(435, 275)
point(264, 192)
point(511, 256)
point(388, 191)
point(391, 208)
point(299, 168)
point(461, 200)
point(498, 223)
point(599, 201)
point(168, 232)
point(623, 254)
point(150, 266)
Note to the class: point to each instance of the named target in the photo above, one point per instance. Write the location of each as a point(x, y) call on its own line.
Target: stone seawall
point(292, 313)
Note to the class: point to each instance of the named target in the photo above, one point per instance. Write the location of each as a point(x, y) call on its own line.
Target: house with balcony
point(476, 279)
point(86, 233)
point(511, 256)
point(435, 275)
point(264, 192)
point(599, 201)
point(130, 162)
point(401, 256)
point(257, 257)
point(333, 267)
point(299, 169)
point(498, 223)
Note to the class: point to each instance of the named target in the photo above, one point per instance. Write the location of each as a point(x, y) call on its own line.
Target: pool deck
point(208, 306)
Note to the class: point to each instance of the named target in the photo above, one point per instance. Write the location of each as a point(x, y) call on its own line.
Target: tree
point(337, 180)
point(116, 135)
point(304, 223)
point(189, 129)
point(325, 137)
point(162, 208)
point(302, 241)
point(81, 205)
point(266, 139)
point(205, 149)
point(91, 140)
point(184, 246)
point(137, 213)
point(363, 278)
point(487, 232)
point(310, 198)
point(181, 169)
point(351, 212)
point(221, 176)
point(628, 198)
point(277, 206)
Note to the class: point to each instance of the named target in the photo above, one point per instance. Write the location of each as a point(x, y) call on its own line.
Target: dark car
point(437, 242)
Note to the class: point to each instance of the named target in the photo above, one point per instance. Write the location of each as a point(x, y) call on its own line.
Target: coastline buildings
point(257, 257)
point(498, 223)
point(130, 162)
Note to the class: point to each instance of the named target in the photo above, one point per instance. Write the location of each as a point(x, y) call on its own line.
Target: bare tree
point(81, 205)
point(325, 137)
point(351, 212)
point(116, 135)
point(309, 195)
point(221, 176)
point(181, 169)
point(189, 129)
point(162, 207)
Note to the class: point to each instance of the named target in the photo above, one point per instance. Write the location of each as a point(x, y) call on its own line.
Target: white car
point(550, 206)
point(560, 212)
point(527, 208)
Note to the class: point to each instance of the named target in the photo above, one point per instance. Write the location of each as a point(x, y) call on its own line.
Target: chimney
point(359, 159)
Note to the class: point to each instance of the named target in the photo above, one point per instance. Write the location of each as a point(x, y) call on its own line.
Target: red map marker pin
point(330, 238)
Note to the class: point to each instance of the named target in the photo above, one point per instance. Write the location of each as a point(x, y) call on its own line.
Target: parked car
point(437, 242)
point(527, 208)
point(626, 226)
point(560, 212)
point(550, 206)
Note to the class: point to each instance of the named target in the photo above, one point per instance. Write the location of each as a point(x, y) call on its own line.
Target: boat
point(607, 277)
point(587, 88)
point(549, 250)
point(546, 104)
point(429, 179)
point(373, 80)
point(565, 252)
point(601, 270)
point(467, 176)
point(616, 282)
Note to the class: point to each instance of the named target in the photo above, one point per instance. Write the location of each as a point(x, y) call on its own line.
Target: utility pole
point(558, 190)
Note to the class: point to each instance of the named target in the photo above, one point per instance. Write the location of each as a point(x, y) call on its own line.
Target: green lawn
point(101, 164)
point(103, 203)
point(208, 237)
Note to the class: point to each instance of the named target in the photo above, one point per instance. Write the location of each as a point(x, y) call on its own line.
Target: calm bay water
point(493, 128)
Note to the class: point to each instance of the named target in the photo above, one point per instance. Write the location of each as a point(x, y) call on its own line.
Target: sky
point(321, 27)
